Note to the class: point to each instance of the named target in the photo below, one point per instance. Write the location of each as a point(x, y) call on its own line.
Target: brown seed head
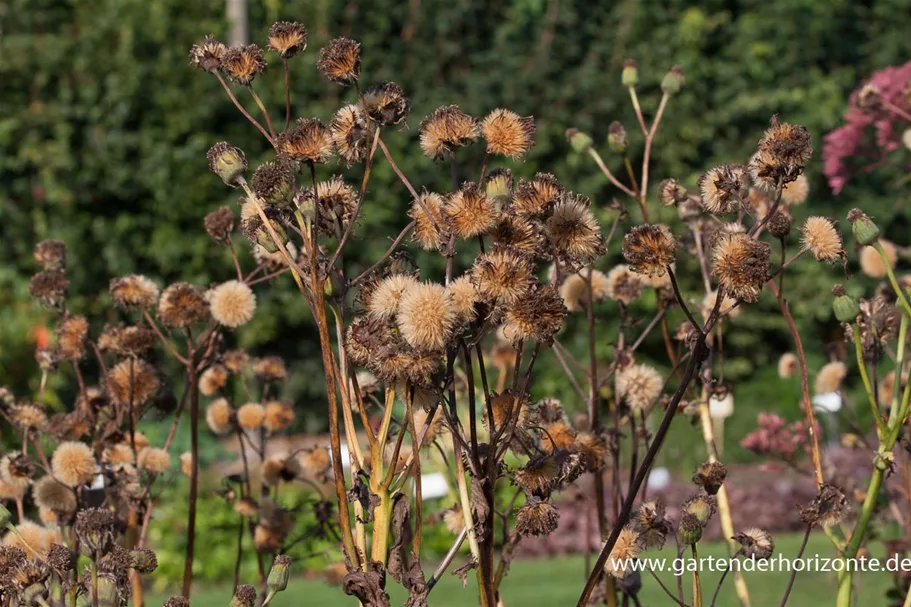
point(821, 237)
point(131, 382)
point(623, 285)
point(337, 204)
point(741, 265)
point(756, 543)
point(73, 463)
point(386, 103)
point(340, 60)
point(536, 517)
point(573, 232)
point(520, 234)
point(469, 211)
point(722, 188)
point(134, 292)
point(273, 181)
point(279, 415)
point(287, 38)
point(446, 129)
point(243, 64)
point(132, 341)
point(51, 494)
point(309, 140)
point(507, 133)
point(49, 287)
point(627, 547)
point(182, 305)
point(535, 198)
point(536, 314)
point(639, 386)
point(207, 55)
point(710, 476)
point(671, 192)
point(502, 276)
point(50, 254)
point(786, 144)
point(426, 316)
point(220, 416)
point(251, 416)
point(430, 227)
point(28, 417)
point(219, 224)
point(349, 134)
point(71, 333)
point(826, 509)
point(651, 525)
point(649, 249)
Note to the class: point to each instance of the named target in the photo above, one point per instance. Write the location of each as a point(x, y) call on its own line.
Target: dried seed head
point(270, 368)
point(340, 60)
point(131, 382)
point(701, 506)
point(251, 416)
point(710, 476)
point(71, 333)
point(228, 162)
point(243, 64)
point(17, 469)
point(626, 549)
point(649, 249)
point(132, 341)
point(337, 204)
point(722, 188)
point(557, 436)
point(365, 337)
point(787, 365)
point(118, 454)
point(29, 417)
point(279, 415)
point(465, 297)
point(756, 543)
point(315, 460)
point(134, 292)
point(220, 416)
point(623, 285)
point(499, 184)
point(430, 228)
point(639, 386)
point(213, 379)
point(273, 181)
point(244, 596)
point(575, 291)
point(821, 237)
point(502, 276)
point(383, 301)
point(95, 530)
point(446, 129)
point(651, 525)
point(520, 234)
point(309, 140)
point(154, 460)
point(671, 192)
point(796, 191)
point(469, 211)
point(573, 232)
point(741, 265)
point(51, 494)
point(507, 133)
point(454, 520)
point(349, 134)
point(176, 601)
point(780, 224)
point(536, 314)
point(535, 198)
point(219, 224)
point(235, 360)
point(207, 56)
point(830, 377)
point(386, 103)
point(536, 517)
point(61, 559)
point(287, 38)
point(232, 303)
point(50, 254)
point(30, 536)
point(182, 305)
point(143, 560)
point(426, 316)
point(49, 287)
point(787, 145)
point(73, 463)
point(593, 449)
point(826, 509)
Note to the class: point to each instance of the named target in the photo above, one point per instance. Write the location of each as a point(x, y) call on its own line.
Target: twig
point(803, 545)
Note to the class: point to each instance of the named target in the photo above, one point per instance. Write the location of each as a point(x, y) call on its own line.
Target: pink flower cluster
point(849, 141)
point(776, 438)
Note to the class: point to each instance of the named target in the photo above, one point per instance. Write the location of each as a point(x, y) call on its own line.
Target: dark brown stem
point(287, 96)
point(385, 256)
point(803, 545)
point(689, 315)
point(193, 386)
point(243, 111)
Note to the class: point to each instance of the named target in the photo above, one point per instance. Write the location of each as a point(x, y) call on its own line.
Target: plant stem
point(243, 111)
point(862, 366)
point(262, 108)
point(649, 140)
point(895, 286)
point(787, 590)
point(193, 386)
point(697, 582)
point(287, 94)
point(610, 176)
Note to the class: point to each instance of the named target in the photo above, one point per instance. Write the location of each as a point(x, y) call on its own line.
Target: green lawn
point(557, 582)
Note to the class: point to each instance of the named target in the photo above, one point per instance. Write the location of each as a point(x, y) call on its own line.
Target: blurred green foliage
point(104, 129)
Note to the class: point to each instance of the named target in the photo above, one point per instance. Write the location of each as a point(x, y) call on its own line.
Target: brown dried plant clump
point(182, 305)
point(650, 249)
point(287, 38)
point(243, 64)
point(308, 140)
point(447, 129)
point(507, 133)
point(340, 60)
point(741, 265)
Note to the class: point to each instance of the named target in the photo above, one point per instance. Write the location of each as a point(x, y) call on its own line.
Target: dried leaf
point(368, 586)
point(462, 572)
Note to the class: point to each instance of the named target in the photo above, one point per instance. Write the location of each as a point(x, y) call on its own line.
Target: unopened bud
point(499, 184)
point(866, 232)
point(280, 573)
point(630, 76)
point(845, 307)
point(228, 162)
point(672, 81)
point(689, 531)
point(580, 141)
point(616, 137)
point(143, 561)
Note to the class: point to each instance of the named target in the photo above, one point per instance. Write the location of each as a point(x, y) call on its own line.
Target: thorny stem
point(243, 111)
point(803, 545)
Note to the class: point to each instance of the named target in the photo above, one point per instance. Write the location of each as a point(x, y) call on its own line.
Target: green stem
point(895, 286)
point(868, 387)
point(697, 583)
point(899, 368)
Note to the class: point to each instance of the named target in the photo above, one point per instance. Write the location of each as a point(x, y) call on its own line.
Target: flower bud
point(280, 573)
point(616, 137)
point(866, 232)
point(845, 307)
point(580, 141)
point(143, 561)
point(499, 184)
point(108, 594)
point(228, 162)
point(689, 531)
point(244, 596)
point(630, 76)
point(672, 81)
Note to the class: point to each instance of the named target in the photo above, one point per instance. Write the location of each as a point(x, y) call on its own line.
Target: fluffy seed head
point(235, 361)
point(287, 38)
point(220, 416)
point(155, 460)
point(722, 187)
point(649, 249)
point(118, 454)
point(71, 333)
point(756, 543)
point(337, 203)
point(29, 417)
point(627, 548)
point(830, 377)
point(671, 192)
point(30, 537)
point(17, 469)
point(469, 211)
point(787, 365)
point(502, 276)
point(134, 292)
point(796, 192)
point(232, 303)
point(871, 262)
point(182, 305)
point(207, 55)
point(50, 254)
point(308, 140)
point(520, 234)
point(213, 379)
point(426, 316)
point(639, 386)
point(741, 265)
point(270, 368)
point(507, 133)
point(787, 144)
point(349, 134)
point(131, 381)
point(454, 520)
point(536, 517)
point(50, 494)
point(73, 463)
point(279, 415)
point(573, 231)
point(536, 197)
point(575, 293)
point(623, 285)
point(537, 314)
point(429, 223)
point(251, 416)
point(340, 60)
point(821, 237)
point(383, 302)
point(464, 296)
point(446, 129)
point(315, 460)
point(386, 103)
point(243, 63)
point(651, 525)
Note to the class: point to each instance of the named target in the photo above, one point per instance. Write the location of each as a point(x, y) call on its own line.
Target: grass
point(558, 581)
